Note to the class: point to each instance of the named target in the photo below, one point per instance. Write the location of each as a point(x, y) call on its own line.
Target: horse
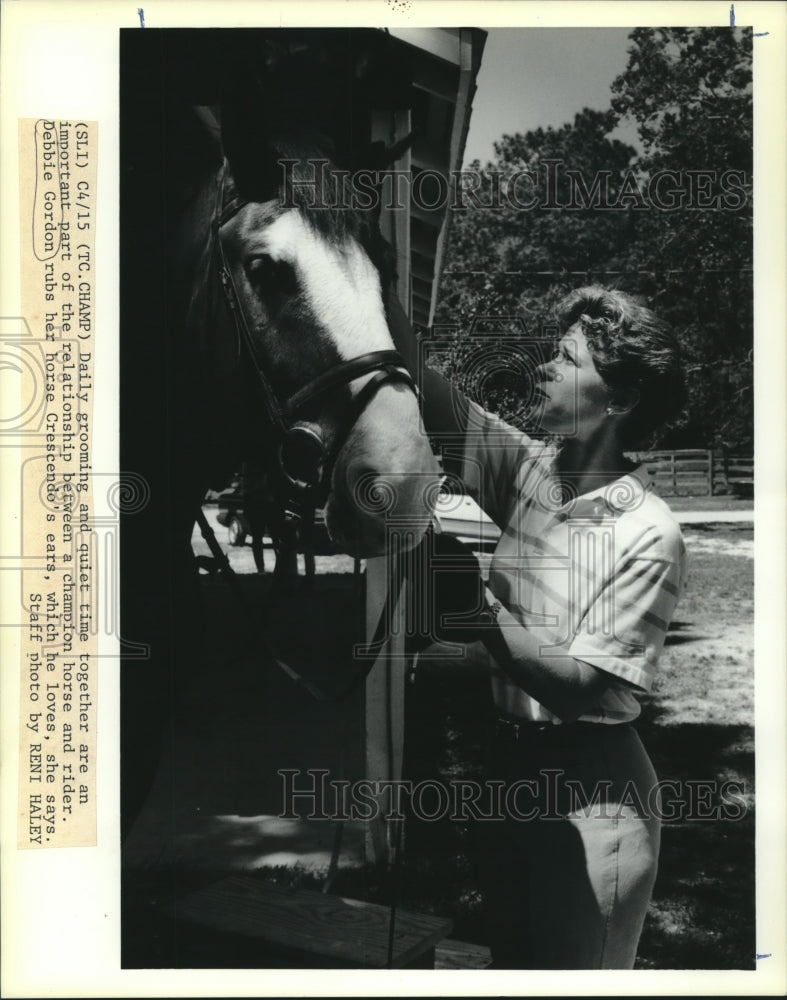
point(279, 353)
point(285, 309)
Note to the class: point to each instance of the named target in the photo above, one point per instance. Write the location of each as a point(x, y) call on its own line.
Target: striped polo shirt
point(595, 577)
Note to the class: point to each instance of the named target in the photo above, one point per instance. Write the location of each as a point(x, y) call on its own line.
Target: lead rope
point(395, 879)
point(224, 566)
point(376, 645)
point(397, 558)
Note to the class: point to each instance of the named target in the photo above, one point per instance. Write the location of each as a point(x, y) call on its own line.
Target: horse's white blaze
point(341, 284)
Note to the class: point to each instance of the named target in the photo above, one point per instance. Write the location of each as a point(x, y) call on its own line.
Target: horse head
point(305, 340)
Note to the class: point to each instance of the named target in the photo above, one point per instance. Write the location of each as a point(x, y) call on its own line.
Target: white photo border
point(62, 907)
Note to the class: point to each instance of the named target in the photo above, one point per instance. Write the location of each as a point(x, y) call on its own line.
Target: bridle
point(303, 464)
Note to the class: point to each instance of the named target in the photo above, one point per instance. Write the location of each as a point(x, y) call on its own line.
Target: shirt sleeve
point(624, 628)
point(494, 453)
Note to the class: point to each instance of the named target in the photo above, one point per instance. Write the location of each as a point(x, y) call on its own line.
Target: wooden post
point(384, 708)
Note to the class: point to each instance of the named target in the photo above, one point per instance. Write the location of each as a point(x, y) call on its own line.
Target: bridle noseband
point(302, 461)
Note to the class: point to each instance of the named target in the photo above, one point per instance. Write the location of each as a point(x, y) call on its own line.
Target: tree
point(671, 223)
point(514, 251)
point(690, 92)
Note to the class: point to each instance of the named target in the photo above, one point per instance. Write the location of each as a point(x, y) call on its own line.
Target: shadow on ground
point(703, 911)
point(236, 722)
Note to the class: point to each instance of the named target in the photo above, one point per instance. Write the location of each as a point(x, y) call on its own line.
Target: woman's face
point(573, 395)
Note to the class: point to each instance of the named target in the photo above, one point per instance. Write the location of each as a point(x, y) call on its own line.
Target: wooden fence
point(699, 472)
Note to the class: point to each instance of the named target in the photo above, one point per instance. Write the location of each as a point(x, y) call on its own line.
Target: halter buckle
point(229, 287)
point(302, 457)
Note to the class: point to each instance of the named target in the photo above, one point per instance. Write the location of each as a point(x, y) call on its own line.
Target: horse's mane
point(202, 310)
point(336, 218)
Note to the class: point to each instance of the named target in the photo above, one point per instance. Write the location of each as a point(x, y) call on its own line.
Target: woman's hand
point(565, 686)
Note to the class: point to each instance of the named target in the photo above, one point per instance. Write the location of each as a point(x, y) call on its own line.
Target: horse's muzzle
point(383, 513)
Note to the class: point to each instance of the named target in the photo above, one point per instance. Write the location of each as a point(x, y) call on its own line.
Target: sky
point(531, 77)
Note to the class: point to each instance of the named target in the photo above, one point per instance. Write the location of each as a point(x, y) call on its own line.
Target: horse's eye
point(270, 275)
point(260, 269)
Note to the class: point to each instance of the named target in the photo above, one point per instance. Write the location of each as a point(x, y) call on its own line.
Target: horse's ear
point(393, 153)
point(377, 155)
point(246, 138)
point(383, 71)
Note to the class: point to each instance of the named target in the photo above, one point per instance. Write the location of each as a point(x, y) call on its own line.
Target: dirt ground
point(213, 807)
point(706, 672)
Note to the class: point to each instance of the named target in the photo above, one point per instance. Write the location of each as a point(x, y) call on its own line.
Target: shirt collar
point(612, 499)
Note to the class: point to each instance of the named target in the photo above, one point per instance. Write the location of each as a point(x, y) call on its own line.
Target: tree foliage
point(670, 222)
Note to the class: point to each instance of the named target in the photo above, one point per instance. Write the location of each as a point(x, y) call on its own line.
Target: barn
point(229, 763)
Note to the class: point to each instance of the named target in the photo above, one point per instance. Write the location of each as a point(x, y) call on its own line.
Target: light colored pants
point(569, 889)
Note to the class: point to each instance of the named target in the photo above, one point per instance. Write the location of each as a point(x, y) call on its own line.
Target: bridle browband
point(303, 462)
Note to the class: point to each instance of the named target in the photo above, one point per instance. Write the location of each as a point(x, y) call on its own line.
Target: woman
point(581, 591)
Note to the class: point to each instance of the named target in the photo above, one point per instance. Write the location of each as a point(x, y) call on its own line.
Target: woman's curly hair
point(632, 349)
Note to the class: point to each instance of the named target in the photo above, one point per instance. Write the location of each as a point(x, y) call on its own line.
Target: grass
point(698, 724)
point(706, 669)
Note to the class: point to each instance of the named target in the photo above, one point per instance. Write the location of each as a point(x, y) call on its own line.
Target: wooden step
point(452, 954)
point(345, 931)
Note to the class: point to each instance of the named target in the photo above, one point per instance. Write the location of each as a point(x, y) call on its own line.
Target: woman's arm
point(639, 597)
point(565, 686)
point(441, 658)
point(445, 409)
point(478, 447)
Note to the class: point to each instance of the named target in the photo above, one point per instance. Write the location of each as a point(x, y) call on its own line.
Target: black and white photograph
point(426, 603)
point(576, 315)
